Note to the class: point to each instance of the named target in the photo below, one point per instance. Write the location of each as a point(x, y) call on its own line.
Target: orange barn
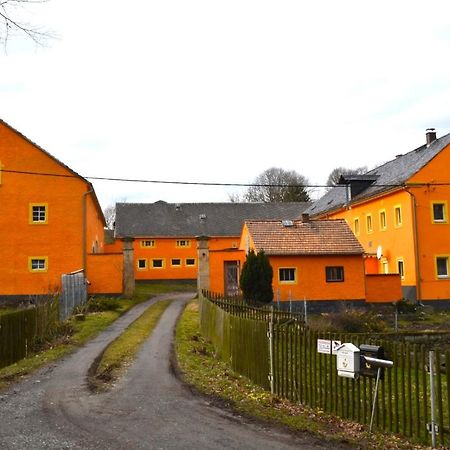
point(51, 222)
point(399, 213)
point(165, 246)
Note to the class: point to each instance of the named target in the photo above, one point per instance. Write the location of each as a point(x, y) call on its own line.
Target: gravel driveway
point(148, 409)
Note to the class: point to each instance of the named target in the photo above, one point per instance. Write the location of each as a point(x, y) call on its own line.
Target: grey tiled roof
point(389, 175)
point(194, 219)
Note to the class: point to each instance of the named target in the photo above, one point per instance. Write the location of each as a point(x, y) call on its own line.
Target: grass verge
point(73, 333)
point(205, 373)
point(121, 352)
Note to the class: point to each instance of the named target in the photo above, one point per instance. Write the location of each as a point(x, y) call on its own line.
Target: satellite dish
point(379, 252)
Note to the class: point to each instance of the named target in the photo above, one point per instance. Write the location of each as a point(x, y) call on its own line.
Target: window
point(157, 263)
point(287, 275)
point(385, 265)
point(334, 274)
point(442, 267)
point(356, 226)
point(38, 213)
point(383, 223)
point(369, 224)
point(142, 264)
point(183, 243)
point(398, 216)
point(190, 262)
point(146, 243)
point(401, 268)
point(439, 211)
point(38, 263)
point(175, 262)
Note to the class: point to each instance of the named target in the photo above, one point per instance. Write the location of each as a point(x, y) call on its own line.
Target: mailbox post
point(368, 360)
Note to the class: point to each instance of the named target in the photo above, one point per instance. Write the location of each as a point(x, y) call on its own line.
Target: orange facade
point(168, 258)
point(48, 223)
point(402, 227)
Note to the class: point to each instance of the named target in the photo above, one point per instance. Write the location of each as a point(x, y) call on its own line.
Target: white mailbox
point(348, 360)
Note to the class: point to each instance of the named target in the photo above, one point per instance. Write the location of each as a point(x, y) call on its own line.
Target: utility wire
point(200, 183)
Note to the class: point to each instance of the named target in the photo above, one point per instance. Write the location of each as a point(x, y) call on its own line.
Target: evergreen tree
point(256, 278)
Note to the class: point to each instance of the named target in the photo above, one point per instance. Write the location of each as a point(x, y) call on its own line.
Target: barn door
point(231, 269)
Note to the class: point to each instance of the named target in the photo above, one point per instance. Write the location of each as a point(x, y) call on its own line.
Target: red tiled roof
point(314, 237)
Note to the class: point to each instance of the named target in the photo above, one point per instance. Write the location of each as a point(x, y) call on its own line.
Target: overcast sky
point(219, 91)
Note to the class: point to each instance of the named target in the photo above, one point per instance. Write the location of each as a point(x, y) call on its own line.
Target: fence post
point(270, 336)
point(433, 412)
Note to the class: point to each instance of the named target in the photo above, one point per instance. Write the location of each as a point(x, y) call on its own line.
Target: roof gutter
point(416, 244)
point(84, 229)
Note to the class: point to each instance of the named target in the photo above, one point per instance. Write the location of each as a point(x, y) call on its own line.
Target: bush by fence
point(20, 329)
point(300, 373)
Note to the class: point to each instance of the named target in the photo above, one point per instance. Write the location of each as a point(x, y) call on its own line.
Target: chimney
point(305, 217)
point(430, 135)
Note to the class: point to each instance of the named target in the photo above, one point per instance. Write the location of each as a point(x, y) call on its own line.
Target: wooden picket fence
point(20, 329)
point(301, 374)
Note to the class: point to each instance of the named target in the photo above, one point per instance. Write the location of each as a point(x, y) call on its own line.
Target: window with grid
point(183, 243)
point(148, 243)
point(38, 264)
point(38, 213)
point(287, 274)
point(334, 274)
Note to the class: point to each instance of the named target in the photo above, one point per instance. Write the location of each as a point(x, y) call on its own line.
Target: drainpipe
point(84, 230)
point(416, 245)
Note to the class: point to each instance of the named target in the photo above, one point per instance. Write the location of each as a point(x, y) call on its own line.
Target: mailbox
point(348, 360)
point(368, 368)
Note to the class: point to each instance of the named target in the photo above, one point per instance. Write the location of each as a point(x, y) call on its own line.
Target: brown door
point(231, 269)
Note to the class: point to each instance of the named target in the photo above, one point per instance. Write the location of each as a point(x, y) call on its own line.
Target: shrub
point(102, 304)
point(256, 278)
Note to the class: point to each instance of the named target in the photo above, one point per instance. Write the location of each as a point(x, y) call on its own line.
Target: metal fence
point(289, 364)
point(74, 293)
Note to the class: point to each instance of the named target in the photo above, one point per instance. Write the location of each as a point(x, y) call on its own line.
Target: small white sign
point(324, 346)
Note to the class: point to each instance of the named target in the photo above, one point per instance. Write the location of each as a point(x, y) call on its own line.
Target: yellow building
point(399, 213)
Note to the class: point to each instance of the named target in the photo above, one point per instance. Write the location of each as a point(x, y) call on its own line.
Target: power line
point(202, 183)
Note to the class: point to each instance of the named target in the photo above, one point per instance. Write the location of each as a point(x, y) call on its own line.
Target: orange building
point(399, 213)
point(51, 223)
point(317, 261)
point(165, 246)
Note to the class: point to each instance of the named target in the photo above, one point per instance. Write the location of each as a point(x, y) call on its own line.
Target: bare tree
point(335, 174)
point(278, 185)
point(11, 23)
point(110, 216)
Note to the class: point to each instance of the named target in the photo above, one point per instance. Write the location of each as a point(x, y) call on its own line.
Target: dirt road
point(149, 409)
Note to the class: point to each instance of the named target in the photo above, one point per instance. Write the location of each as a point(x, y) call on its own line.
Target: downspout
point(84, 230)
point(416, 245)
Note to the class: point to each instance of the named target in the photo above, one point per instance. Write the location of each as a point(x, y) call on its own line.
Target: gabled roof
point(161, 219)
point(384, 178)
point(313, 237)
point(72, 172)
